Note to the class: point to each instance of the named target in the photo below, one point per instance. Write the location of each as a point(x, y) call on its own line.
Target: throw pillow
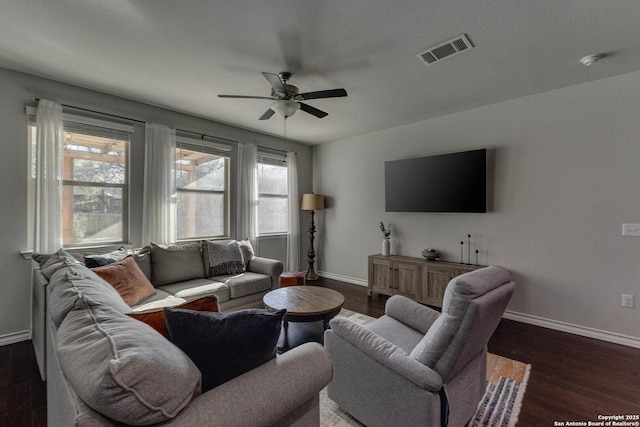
point(98, 260)
point(247, 251)
point(121, 370)
point(225, 345)
point(224, 258)
point(127, 278)
point(71, 282)
point(176, 263)
point(50, 263)
point(155, 318)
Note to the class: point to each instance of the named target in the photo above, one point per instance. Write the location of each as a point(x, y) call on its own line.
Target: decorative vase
point(386, 245)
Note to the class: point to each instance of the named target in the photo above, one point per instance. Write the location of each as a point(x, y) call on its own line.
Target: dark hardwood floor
point(572, 378)
point(23, 395)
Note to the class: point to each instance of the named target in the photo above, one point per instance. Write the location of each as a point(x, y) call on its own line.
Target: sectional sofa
point(104, 367)
point(178, 273)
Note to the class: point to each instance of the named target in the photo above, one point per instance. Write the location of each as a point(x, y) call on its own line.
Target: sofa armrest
point(264, 395)
point(385, 353)
point(38, 319)
point(411, 313)
point(268, 266)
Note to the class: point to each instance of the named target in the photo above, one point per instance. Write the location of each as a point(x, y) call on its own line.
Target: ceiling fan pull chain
point(285, 128)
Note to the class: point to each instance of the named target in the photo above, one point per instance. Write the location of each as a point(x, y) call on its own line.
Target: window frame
point(212, 148)
point(93, 127)
point(272, 159)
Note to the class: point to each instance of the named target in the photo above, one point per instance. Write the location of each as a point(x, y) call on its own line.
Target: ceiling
point(181, 54)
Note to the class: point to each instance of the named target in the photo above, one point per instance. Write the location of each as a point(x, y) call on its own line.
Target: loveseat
point(106, 368)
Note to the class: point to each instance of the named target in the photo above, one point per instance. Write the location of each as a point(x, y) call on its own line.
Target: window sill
point(273, 236)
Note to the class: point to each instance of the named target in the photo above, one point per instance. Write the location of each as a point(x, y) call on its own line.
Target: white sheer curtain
point(48, 204)
point(293, 238)
point(248, 194)
point(158, 206)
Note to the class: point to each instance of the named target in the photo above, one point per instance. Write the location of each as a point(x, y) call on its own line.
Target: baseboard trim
point(573, 329)
point(570, 328)
point(346, 279)
point(15, 337)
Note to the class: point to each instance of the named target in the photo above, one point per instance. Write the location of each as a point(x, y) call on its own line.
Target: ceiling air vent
point(444, 50)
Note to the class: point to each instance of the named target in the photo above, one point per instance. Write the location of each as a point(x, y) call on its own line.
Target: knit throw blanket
point(225, 258)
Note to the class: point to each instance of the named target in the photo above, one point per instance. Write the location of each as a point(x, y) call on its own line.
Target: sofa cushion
point(246, 283)
point(225, 345)
point(50, 263)
point(120, 369)
point(98, 260)
point(195, 288)
point(247, 251)
point(126, 277)
point(142, 257)
point(176, 263)
point(160, 299)
point(72, 280)
point(222, 257)
point(155, 317)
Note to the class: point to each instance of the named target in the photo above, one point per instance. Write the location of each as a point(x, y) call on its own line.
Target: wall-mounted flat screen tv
point(454, 182)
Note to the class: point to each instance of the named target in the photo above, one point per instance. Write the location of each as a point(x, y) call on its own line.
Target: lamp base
point(311, 273)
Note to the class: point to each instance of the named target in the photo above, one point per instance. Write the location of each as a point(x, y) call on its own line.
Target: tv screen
point(454, 182)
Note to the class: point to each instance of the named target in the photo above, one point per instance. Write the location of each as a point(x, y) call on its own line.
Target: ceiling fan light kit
point(285, 108)
point(288, 97)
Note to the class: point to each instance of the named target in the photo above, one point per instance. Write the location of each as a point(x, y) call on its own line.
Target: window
point(202, 183)
point(272, 196)
point(94, 183)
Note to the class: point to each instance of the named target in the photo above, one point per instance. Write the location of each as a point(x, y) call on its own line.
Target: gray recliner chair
point(415, 366)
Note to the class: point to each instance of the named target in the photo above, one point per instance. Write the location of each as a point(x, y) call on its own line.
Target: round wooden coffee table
point(309, 309)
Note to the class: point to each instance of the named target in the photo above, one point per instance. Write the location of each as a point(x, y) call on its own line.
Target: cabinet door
point(381, 276)
point(408, 279)
point(437, 280)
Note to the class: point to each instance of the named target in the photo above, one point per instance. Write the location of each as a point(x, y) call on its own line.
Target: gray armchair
point(415, 366)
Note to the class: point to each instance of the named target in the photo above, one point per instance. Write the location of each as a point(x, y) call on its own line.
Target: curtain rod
point(143, 122)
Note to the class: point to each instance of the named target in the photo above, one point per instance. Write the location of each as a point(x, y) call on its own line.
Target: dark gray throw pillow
point(99, 260)
point(225, 345)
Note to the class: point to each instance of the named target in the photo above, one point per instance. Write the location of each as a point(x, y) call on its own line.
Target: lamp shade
point(312, 202)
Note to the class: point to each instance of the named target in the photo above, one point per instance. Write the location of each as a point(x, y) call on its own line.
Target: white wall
point(564, 175)
point(19, 90)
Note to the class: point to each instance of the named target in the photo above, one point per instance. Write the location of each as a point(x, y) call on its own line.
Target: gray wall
point(564, 176)
point(19, 90)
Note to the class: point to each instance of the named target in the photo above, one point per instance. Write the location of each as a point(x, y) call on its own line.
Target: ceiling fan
point(287, 97)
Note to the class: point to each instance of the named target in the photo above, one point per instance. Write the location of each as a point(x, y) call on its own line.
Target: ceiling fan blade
point(312, 110)
point(267, 114)
point(245, 97)
point(331, 93)
point(276, 83)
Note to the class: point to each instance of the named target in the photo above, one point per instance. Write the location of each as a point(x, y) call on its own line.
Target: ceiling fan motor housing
point(291, 92)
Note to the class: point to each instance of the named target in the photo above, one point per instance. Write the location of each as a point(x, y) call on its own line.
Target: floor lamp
point(312, 202)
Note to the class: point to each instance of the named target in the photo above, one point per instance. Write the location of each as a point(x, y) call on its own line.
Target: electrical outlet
point(631, 229)
point(627, 301)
